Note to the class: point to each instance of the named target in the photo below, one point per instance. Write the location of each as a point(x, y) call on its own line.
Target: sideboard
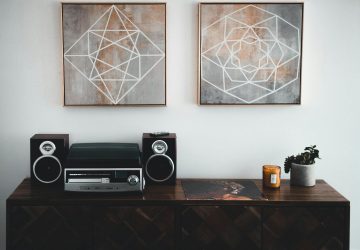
point(45, 218)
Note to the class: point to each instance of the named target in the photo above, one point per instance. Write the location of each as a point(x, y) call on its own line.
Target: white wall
point(212, 141)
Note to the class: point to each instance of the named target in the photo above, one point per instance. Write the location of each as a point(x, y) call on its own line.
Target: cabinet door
point(221, 227)
point(301, 228)
point(48, 227)
point(134, 227)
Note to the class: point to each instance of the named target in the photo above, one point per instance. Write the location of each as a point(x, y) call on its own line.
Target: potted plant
point(302, 167)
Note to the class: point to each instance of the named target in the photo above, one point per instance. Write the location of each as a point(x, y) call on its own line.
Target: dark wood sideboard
point(290, 218)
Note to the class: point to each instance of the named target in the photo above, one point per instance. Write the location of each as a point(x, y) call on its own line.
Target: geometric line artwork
point(114, 55)
point(248, 58)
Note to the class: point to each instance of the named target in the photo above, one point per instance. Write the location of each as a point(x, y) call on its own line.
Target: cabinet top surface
point(321, 194)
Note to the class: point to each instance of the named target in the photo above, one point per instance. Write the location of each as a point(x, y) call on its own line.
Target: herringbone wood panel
point(294, 218)
point(221, 227)
point(81, 228)
point(48, 227)
point(301, 228)
point(134, 228)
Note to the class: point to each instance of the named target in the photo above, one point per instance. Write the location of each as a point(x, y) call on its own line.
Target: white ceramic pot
point(302, 175)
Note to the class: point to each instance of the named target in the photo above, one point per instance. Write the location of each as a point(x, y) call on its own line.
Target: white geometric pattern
point(114, 55)
point(251, 54)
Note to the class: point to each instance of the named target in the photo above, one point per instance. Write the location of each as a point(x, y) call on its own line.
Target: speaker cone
point(159, 167)
point(47, 169)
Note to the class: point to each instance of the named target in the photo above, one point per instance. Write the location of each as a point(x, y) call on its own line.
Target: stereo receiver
point(104, 167)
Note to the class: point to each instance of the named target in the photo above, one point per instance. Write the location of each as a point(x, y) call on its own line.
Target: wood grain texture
point(221, 227)
point(300, 228)
point(321, 194)
point(49, 227)
point(41, 217)
point(134, 228)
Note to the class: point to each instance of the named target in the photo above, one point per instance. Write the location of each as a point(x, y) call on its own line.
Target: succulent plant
point(306, 158)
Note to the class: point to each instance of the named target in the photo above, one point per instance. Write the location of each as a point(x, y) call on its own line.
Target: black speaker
point(159, 158)
point(47, 156)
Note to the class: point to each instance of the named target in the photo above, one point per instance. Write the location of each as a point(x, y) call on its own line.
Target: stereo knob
point(133, 180)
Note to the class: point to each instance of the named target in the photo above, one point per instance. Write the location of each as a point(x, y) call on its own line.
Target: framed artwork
point(114, 54)
point(250, 53)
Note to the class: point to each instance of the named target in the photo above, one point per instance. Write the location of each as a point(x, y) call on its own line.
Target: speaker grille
point(47, 169)
point(159, 167)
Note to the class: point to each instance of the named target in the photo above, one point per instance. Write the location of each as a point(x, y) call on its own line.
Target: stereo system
point(47, 156)
point(103, 167)
point(159, 158)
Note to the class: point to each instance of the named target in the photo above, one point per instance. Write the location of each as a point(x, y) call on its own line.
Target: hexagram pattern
point(251, 54)
point(117, 55)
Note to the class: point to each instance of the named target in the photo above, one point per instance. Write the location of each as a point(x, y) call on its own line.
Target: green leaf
point(308, 157)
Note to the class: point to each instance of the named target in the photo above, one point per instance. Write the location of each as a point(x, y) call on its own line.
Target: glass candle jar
point(271, 176)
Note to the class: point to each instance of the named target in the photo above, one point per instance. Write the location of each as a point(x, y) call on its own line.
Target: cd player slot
point(91, 173)
point(88, 180)
point(99, 176)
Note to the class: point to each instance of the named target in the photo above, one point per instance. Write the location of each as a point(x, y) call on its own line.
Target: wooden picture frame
point(114, 54)
point(250, 53)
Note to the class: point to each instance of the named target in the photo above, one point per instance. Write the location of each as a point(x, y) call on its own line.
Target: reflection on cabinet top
point(322, 194)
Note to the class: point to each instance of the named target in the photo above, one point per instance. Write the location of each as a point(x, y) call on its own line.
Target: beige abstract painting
point(250, 53)
point(114, 54)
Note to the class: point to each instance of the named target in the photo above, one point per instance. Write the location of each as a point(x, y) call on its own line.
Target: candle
point(271, 176)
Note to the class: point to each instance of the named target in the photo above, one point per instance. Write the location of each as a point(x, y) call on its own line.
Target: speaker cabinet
point(159, 158)
point(47, 156)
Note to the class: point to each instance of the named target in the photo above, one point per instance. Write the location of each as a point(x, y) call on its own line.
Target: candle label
point(273, 178)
